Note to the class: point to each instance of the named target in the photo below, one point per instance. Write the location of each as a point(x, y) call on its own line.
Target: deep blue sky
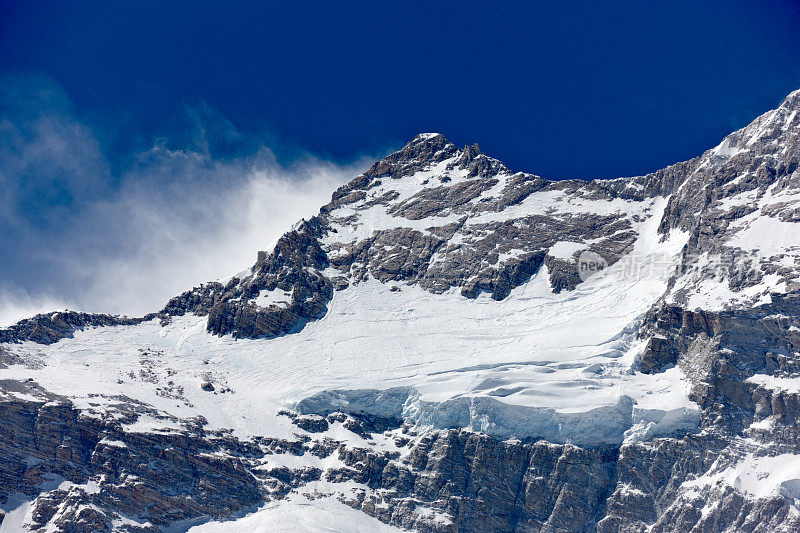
point(590, 89)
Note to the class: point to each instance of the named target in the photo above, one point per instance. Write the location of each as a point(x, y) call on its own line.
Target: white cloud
point(77, 236)
point(16, 304)
point(171, 245)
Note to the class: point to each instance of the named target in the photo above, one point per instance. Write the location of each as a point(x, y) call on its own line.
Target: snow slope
point(298, 513)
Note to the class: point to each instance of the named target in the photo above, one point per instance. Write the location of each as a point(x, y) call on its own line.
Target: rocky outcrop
point(294, 267)
point(719, 351)
point(83, 473)
point(48, 328)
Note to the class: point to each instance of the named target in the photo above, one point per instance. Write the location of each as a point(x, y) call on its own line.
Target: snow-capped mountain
point(447, 346)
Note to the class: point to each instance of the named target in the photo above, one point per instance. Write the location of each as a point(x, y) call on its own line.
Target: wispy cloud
point(16, 304)
point(77, 236)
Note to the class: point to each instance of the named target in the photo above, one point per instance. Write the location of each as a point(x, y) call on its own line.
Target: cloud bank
point(76, 234)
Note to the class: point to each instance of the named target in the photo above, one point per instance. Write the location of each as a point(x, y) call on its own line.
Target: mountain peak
point(792, 99)
point(425, 136)
point(422, 148)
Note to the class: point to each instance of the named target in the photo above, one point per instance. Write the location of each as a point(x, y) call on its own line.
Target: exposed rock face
point(473, 482)
point(438, 219)
point(448, 231)
point(52, 327)
point(83, 473)
point(737, 204)
point(293, 268)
